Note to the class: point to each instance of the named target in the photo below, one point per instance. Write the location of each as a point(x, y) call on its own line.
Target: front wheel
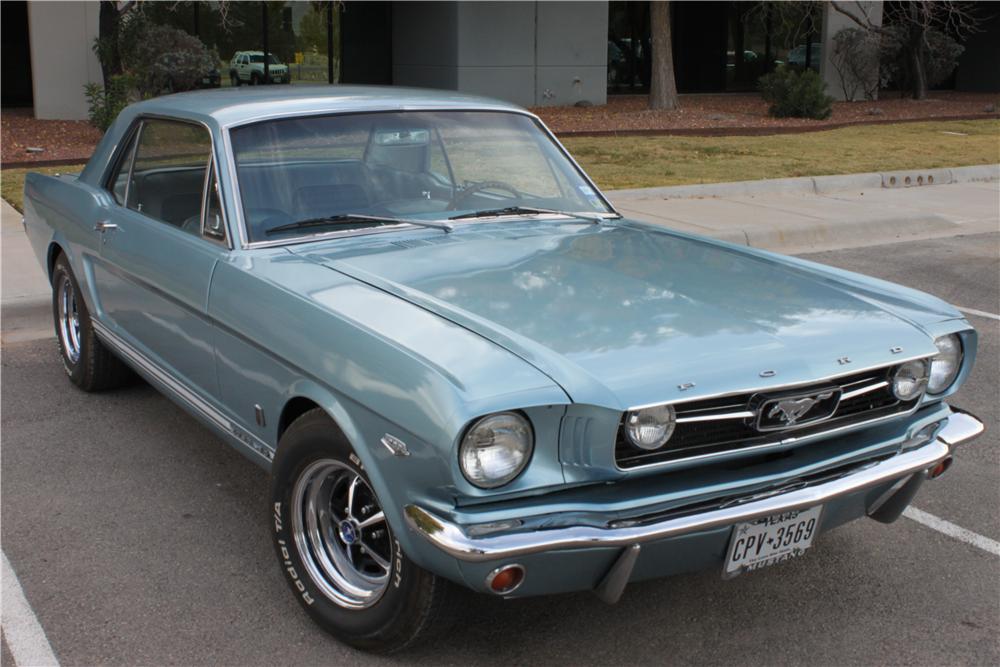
point(234, 80)
point(338, 552)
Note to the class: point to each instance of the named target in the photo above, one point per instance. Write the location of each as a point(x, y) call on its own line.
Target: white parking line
point(951, 530)
point(981, 313)
point(25, 637)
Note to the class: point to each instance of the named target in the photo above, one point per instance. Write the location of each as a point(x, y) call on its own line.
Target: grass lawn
point(638, 162)
point(12, 181)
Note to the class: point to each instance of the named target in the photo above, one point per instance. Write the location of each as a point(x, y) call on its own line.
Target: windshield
point(335, 173)
point(271, 59)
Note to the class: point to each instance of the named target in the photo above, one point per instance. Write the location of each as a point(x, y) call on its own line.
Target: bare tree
point(855, 58)
point(108, 24)
point(662, 86)
point(916, 20)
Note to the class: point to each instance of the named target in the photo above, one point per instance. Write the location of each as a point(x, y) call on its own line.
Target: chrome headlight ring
point(946, 364)
point(650, 428)
point(496, 449)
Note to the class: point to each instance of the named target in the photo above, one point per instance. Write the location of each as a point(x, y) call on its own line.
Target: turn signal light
point(939, 469)
point(506, 579)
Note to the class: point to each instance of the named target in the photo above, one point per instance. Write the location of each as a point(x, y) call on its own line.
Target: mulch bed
point(61, 141)
point(746, 113)
point(72, 141)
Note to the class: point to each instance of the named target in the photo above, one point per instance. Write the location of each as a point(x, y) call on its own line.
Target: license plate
point(770, 540)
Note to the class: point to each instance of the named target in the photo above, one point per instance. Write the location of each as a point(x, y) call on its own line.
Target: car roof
point(235, 106)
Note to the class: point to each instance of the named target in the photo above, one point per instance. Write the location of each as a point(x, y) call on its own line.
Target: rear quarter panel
point(61, 211)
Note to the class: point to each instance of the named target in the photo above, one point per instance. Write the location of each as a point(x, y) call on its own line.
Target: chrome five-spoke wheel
point(341, 534)
point(68, 318)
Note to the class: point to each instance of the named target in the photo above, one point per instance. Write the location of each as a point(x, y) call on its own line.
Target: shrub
point(799, 94)
point(169, 60)
point(939, 57)
point(106, 103)
point(856, 60)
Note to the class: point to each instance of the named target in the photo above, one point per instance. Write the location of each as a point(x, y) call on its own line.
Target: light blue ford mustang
point(462, 366)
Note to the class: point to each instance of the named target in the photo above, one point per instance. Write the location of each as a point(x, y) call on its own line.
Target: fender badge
point(895, 350)
point(685, 386)
point(843, 361)
point(395, 445)
point(768, 374)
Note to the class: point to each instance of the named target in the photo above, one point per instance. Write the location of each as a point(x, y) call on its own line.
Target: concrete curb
point(853, 234)
point(812, 185)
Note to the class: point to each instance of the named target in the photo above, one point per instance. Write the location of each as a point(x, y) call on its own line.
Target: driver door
point(157, 254)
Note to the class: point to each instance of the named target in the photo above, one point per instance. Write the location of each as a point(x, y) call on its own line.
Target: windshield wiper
point(596, 218)
point(357, 217)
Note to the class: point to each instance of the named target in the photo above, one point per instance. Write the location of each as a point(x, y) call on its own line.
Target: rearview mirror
point(402, 137)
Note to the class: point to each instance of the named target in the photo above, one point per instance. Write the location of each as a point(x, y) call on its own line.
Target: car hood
point(625, 314)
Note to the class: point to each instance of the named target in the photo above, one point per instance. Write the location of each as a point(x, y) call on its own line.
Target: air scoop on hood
point(622, 315)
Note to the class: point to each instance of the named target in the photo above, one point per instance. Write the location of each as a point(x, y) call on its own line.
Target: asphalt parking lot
point(139, 538)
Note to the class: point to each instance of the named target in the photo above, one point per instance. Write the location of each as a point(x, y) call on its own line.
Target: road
point(139, 538)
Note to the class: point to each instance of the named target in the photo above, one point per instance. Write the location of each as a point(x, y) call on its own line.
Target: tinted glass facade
point(717, 46)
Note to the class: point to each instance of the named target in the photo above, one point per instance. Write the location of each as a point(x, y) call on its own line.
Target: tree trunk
point(662, 87)
point(919, 68)
point(109, 20)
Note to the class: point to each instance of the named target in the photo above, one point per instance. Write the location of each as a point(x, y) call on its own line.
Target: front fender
point(395, 479)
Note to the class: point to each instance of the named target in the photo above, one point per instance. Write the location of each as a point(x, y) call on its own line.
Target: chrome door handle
point(105, 226)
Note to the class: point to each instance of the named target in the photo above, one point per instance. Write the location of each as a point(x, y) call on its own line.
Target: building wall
point(572, 53)
point(530, 53)
point(424, 44)
point(62, 36)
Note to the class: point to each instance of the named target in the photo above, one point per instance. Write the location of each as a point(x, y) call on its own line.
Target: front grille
point(698, 438)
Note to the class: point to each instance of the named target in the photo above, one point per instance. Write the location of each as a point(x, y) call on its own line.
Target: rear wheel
point(338, 552)
point(89, 364)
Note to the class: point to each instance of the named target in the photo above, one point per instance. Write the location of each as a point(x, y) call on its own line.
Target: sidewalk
point(25, 302)
point(823, 213)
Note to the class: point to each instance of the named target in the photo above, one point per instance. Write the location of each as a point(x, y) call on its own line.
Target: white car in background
point(248, 67)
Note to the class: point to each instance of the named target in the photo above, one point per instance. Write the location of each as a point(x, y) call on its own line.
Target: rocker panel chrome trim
point(177, 389)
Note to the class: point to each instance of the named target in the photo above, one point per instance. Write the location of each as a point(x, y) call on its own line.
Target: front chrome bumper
point(451, 538)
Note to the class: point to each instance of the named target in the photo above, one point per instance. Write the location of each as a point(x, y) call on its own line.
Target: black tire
point(234, 79)
point(254, 79)
point(412, 600)
point(89, 364)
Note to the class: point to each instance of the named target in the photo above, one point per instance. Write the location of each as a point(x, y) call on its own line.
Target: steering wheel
point(472, 189)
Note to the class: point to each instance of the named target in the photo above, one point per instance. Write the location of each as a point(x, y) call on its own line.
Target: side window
point(215, 226)
point(168, 175)
point(118, 184)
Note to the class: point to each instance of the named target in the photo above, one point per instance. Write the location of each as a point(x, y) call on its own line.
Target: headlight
point(496, 449)
point(945, 364)
point(650, 428)
point(909, 380)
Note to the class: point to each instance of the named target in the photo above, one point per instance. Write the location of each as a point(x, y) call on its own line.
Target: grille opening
point(691, 439)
